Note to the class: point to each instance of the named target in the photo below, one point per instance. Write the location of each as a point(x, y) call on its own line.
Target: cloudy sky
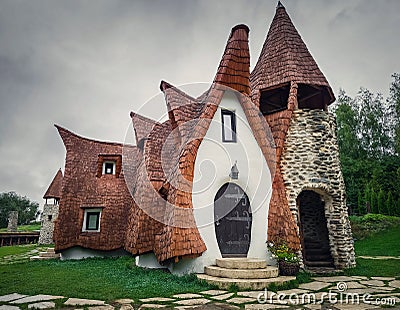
point(86, 64)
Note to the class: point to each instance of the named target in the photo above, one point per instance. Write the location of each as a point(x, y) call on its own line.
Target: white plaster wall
point(148, 260)
point(213, 163)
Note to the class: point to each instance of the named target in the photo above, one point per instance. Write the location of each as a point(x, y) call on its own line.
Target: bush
point(370, 224)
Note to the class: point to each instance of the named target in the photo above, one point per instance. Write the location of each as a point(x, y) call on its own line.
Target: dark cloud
point(85, 65)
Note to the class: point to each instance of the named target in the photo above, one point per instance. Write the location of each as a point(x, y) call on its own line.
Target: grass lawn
point(375, 268)
point(104, 279)
point(385, 243)
point(112, 278)
point(25, 228)
point(15, 250)
point(380, 243)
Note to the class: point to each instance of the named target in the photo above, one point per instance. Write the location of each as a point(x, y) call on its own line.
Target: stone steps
point(268, 272)
point(309, 263)
point(241, 263)
point(244, 284)
point(49, 254)
point(245, 273)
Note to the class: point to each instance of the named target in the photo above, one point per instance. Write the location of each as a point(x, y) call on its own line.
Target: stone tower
point(50, 209)
point(293, 95)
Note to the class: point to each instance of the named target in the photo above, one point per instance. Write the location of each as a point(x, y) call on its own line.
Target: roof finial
point(280, 5)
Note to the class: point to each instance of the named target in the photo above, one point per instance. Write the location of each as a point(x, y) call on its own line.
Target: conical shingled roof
point(233, 70)
point(54, 190)
point(285, 58)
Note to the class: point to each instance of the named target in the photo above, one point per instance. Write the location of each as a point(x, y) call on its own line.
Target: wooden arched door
point(232, 220)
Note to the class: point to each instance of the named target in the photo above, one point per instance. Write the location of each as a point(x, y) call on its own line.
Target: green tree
point(382, 202)
point(374, 202)
point(397, 213)
point(369, 144)
point(394, 112)
point(347, 126)
point(372, 131)
point(11, 201)
point(367, 198)
point(361, 204)
point(390, 204)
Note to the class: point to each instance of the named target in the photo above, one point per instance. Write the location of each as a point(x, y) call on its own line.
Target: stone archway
point(314, 232)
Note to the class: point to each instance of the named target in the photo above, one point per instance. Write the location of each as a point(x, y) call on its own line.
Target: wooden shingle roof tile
point(54, 190)
point(285, 58)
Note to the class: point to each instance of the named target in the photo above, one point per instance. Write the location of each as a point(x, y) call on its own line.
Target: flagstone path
point(22, 257)
point(379, 257)
point(376, 291)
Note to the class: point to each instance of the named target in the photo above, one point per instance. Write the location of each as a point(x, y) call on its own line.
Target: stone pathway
point(22, 257)
point(379, 257)
point(322, 293)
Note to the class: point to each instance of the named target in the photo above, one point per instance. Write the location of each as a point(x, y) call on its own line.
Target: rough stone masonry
point(12, 221)
point(311, 162)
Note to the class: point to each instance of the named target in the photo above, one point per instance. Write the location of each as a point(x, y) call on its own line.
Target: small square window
point(228, 126)
point(49, 217)
point(109, 167)
point(91, 221)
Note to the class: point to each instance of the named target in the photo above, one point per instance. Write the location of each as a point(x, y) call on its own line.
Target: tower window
point(274, 100)
point(228, 126)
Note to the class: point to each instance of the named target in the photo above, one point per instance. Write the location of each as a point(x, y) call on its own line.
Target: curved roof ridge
point(165, 86)
point(142, 126)
point(175, 98)
point(65, 132)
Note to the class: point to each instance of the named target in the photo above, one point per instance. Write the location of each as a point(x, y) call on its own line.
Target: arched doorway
point(232, 220)
point(313, 230)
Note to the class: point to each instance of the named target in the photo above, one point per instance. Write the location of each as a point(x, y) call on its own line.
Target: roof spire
point(280, 5)
point(55, 187)
point(285, 58)
point(234, 68)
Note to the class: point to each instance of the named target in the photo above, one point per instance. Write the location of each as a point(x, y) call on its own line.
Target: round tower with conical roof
point(293, 95)
point(50, 209)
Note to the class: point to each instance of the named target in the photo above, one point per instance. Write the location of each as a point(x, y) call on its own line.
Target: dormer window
point(109, 167)
point(228, 126)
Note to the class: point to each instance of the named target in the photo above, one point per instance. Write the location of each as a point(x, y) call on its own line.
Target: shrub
point(370, 224)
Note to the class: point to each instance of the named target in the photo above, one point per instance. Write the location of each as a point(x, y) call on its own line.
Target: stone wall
point(49, 215)
point(311, 161)
point(12, 221)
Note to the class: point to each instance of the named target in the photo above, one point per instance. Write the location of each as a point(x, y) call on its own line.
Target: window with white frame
point(228, 126)
point(91, 220)
point(109, 167)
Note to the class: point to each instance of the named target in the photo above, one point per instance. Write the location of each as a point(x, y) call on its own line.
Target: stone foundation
point(310, 161)
point(49, 215)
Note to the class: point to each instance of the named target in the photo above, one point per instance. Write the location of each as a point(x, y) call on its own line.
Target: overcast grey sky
point(86, 64)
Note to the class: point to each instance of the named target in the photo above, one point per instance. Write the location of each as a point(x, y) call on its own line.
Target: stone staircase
point(49, 254)
point(317, 255)
point(245, 273)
